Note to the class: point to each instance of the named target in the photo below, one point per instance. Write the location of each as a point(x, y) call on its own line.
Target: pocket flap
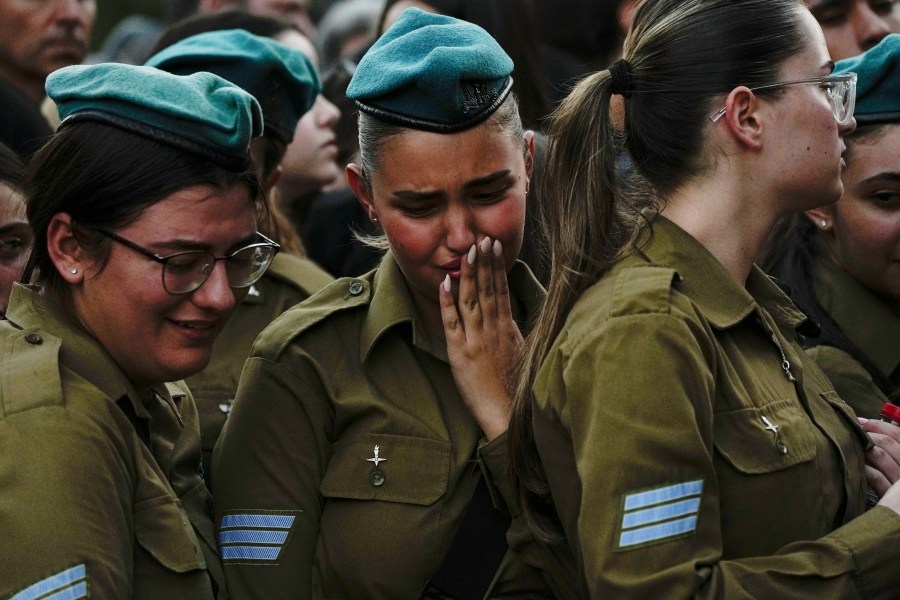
point(403, 469)
point(762, 440)
point(163, 529)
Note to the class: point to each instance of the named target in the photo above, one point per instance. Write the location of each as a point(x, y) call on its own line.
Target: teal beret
point(878, 82)
point(432, 72)
point(202, 114)
point(282, 79)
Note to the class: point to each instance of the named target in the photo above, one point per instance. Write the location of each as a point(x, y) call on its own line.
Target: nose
point(327, 114)
point(870, 28)
point(459, 229)
point(847, 128)
point(216, 295)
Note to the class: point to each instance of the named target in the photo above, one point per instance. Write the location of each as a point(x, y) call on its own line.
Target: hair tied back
point(620, 75)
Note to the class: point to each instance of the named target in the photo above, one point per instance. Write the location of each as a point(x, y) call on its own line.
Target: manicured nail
point(471, 257)
point(485, 245)
point(447, 283)
point(498, 249)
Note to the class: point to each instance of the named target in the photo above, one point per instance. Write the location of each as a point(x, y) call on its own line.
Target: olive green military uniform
point(288, 280)
point(872, 323)
point(100, 491)
point(349, 459)
point(695, 451)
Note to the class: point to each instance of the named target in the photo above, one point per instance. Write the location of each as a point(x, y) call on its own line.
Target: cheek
point(411, 240)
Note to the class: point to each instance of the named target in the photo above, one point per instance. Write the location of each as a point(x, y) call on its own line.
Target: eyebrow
point(826, 4)
point(188, 245)
point(15, 225)
point(492, 178)
point(883, 176)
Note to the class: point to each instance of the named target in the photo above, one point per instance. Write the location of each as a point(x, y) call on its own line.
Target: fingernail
point(498, 249)
point(447, 283)
point(485, 245)
point(471, 257)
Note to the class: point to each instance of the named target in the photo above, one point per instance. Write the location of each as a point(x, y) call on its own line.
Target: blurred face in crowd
point(853, 26)
point(862, 230)
point(293, 11)
point(38, 37)
point(15, 241)
point(310, 162)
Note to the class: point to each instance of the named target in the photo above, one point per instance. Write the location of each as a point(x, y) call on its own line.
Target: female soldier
point(365, 456)
point(285, 84)
point(144, 214)
point(691, 448)
point(842, 261)
point(15, 236)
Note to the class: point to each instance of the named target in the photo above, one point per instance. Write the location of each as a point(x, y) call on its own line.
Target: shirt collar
point(706, 281)
point(864, 317)
point(80, 352)
point(392, 304)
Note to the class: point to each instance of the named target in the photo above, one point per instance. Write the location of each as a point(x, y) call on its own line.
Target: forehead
point(815, 52)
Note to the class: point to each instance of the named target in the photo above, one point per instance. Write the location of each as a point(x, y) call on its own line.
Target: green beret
point(202, 114)
point(878, 81)
point(432, 72)
point(282, 79)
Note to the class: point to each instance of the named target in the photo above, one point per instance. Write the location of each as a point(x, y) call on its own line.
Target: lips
point(197, 330)
point(452, 267)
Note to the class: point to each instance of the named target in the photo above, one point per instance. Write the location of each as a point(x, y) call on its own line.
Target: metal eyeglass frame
point(833, 80)
point(164, 260)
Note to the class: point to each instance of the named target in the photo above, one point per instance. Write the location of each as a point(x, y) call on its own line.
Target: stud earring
point(824, 223)
point(73, 270)
point(374, 219)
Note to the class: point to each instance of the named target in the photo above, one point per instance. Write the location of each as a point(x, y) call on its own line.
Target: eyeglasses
point(184, 272)
point(841, 90)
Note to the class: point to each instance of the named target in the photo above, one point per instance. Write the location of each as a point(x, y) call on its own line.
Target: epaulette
point(29, 364)
point(302, 273)
point(643, 289)
point(341, 295)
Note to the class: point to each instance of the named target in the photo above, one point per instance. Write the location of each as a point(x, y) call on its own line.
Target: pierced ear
point(362, 189)
point(529, 156)
point(822, 217)
point(742, 117)
point(64, 248)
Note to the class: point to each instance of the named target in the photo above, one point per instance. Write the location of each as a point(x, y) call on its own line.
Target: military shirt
point(288, 280)
point(349, 459)
point(694, 450)
point(100, 491)
point(872, 323)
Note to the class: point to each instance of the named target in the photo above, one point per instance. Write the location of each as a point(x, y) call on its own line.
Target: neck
point(729, 217)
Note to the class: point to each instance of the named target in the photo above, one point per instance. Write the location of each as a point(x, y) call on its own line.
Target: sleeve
point(851, 380)
point(637, 400)
point(537, 569)
point(268, 464)
point(65, 507)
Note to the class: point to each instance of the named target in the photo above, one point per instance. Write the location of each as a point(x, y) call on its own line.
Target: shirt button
point(34, 339)
point(376, 478)
point(356, 288)
point(782, 448)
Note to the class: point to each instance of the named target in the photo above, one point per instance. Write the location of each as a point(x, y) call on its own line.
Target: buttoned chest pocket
point(167, 538)
point(755, 440)
point(383, 522)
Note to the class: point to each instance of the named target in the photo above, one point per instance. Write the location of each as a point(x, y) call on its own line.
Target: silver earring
point(73, 270)
point(374, 219)
point(824, 223)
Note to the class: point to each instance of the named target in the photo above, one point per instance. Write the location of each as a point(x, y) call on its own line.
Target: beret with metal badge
point(432, 72)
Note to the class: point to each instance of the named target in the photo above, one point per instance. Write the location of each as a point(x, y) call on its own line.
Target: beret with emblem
point(878, 82)
point(202, 114)
point(432, 72)
point(282, 79)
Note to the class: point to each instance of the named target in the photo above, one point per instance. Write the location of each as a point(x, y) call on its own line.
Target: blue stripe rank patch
point(256, 536)
point(70, 584)
point(660, 514)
